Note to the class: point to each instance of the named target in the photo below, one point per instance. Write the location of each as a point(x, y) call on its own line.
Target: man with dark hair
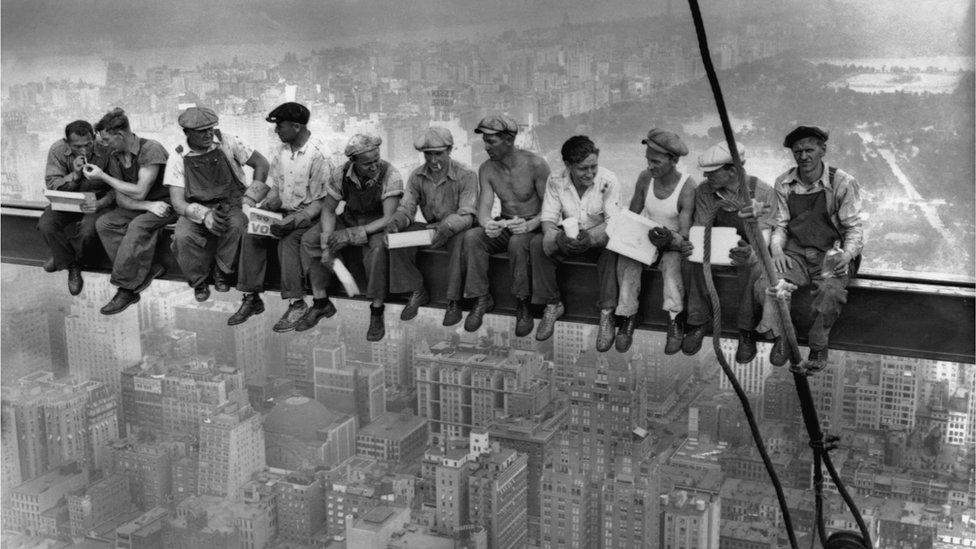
point(518, 178)
point(67, 233)
point(206, 184)
point(130, 231)
point(300, 170)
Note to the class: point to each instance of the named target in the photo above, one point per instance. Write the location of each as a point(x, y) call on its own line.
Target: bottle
point(830, 260)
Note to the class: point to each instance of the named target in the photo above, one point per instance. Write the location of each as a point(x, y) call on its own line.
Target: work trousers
point(129, 238)
point(478, 248)
point(828, 296)
point(699, 309)
point(405, 277)
point(373, 256)
point(254, 262)
point(68, 234)
point(194, 246)
point(629, 272)
point(545, 286)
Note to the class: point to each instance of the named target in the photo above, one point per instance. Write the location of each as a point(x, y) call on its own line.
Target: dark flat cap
point(197, 118)
point(289, 112)
point(497, 123)
point(801, 132)
point(434, 138)
point(665, 142)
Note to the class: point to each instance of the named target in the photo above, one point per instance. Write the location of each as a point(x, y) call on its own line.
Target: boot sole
point(133, 302)
point(243, 320)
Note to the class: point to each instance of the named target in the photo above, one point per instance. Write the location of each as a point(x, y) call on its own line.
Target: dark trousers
point(373, 256)
point(194, 246)
point(545, 287)
point(478, 248)
point(699, 309)
point(254, 262)
point(67, 235)
point(129, 238)
point(405, 277)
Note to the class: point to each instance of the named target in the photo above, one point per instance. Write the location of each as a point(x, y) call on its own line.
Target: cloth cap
point(289, 112)
point(197, 118)
point(497, 123)
point(801, 132)
point(434, 138)
point(362, 143)
point(718, 155)
point(665, 142)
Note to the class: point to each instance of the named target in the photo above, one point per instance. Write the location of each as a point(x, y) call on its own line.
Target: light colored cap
point(362, 143)
point(717, 156)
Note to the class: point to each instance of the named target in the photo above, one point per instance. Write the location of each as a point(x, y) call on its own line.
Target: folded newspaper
point(65, 201)
point(259, 221)
point(628, 236)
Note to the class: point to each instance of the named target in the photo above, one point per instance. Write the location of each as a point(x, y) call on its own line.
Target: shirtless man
point(518, 177)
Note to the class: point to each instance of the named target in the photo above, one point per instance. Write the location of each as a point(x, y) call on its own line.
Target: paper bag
point(723, 240)
point(628, 236)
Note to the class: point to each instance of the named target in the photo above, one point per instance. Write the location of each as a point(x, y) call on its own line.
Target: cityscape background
point(164, 427)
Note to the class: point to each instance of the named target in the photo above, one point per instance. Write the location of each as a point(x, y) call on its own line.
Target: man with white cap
point(667, 196)
point(206, 184)
point(718, 194)
point(371, 189)
point(446, 193)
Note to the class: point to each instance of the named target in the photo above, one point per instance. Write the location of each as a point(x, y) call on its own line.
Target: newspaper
point(259, 221)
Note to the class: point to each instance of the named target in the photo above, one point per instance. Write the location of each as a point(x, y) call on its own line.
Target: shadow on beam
point(884, 315)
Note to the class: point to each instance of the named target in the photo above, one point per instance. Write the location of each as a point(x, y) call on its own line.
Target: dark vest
point(366, 200)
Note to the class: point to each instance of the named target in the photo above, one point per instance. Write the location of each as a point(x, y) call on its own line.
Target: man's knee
point(475, 238)
point(377, 241)
point(833, 290)
point(535, 246)
point(146, 223)
point(520, 244)
point(48, 222)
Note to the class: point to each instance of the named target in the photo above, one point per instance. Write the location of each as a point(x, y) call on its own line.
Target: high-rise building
point(900, 385)
point(244, 346)
point(690, 521)
point(97, 503)
point(99, 346)
point(393, 437)
point(567, 501)
point(751, 376)
point(451, 486)
point(302, 433)
point(497, 498)
point(349, 386)
point(31, 509)
point(231, 449)
point(630, 510)
point(570, 339)
point(147, 466)
point(25, 340)
point(300, 506)
point(780, 402)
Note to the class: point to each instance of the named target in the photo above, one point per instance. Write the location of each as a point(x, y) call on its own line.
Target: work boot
point(675, 337)
point(625, 335)
point(201, 292)
point(607, 330)
point(453, 313)
point(376, 329)
point(747, 347)
point(417, 299)
point(523, 319)
point(548, 323)
point(75, 282)
point(321, 308)
point(816, 360)
point(291, 317)
point(221, 280)
point(49, 266)
point(692, 341)
point(482, 305)
point(123, 298)
point(155, 272)
point(778, 355)
point(251, 305)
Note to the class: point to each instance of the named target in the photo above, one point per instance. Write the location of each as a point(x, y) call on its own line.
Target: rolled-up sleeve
point(393, 186)
point(766, 195)
point(334, 186)
point(551, 205)
point(468, 196)
point(173, 175)
point(322, 170)
point(848, 198)
point(781, 216)
point(411, 197)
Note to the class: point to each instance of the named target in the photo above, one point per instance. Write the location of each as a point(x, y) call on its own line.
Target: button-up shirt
point(392, 183)
point(60, 165)
point(441, 196)
point(236, 151)
point(300, 177)
point(599, 202)
point(843, 206)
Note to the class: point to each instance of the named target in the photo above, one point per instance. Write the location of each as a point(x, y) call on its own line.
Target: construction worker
point(446, 192)
point(816, 241)
point(585, 195)
point(300, 170)
point(206, 184)
point(518, 178)
point(667, 196)
point(371, 189)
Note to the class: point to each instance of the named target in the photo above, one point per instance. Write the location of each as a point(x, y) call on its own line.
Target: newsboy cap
point(289, 112)
point(197, 118)
point(718, 155)
point(362, 143)
point(665, 142)
point(801, 132)
point(497, 123)
point(434, 138)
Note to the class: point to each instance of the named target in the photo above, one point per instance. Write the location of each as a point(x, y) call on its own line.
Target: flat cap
point(718, 155)
point(497, 123)
point(197, 118)
point(434, 138)
point(289, 112)
point(362, 143)
point(665, 142)
point(801, 132)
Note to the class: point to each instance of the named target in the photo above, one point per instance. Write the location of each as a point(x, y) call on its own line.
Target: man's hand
point(518, 226)
point(660, 237)
point(272, 203)
point(392, 227)
point(339, 240)
point(159, 209)
point(215, 222)
point(842, 263)
point(741, 254)
point(249, 202)
point(494, 228)
point(441, 235)
point(581, 244)
point(78, 164)
point(781, 262)
point(755, 210)
point(93, 172)
point(90, 205)
point(281, 227)
point(685, 248)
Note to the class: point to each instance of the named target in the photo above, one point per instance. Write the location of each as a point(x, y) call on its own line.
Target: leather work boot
point(607, 330)
point(155, 272)
point(75, 282)
point(548, 323)
point(524, 323)
point(746, 351)
point(376, 329)
point(675, 337)
point(202, 292)
point(816, 360)
point(778, 354)
point(291, 317)
point(692, 341)
point(625, 335)
point(482, 305)
point(251, 305)
point(453, 313)
point(221, 282)
point(417, 299)
point(123, 298)
point(49, 266)
point(321, 308)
